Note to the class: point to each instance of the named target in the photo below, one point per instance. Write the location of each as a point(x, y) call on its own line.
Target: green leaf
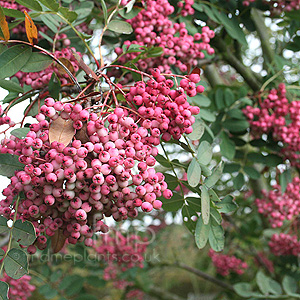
point(284, 179)
point(11, 86)
point(243, 289)
point(187, 213)
point(24, 232)
point(15, 263)
point(87, 297)
point(171, 180)
point(50, 22)
point(71, 16)
point(120, 27)
point(204, 154)
point(3, 290)
point(51, 4)
point(231, 168)
point(47, 291)
point(37, 62)
point(227, 205)
point(20, 132)
point(32, 4)
point(235, 125)
point(213, 196)
point(3, 224)
point(56, 275)
point(238, 181)
point(219, 99)
point(155, 52)
point(275, 287)
point(205, 205)
point(215, 176)
point(216, 215)
point(228, 97)
point(173, 204)
point(54, 86)
point(13, 59)
point(200, 100)
point(104, 9)
point(207, 115)
point(216, 237)
point(194, 173)
point(163, 161)
point(134, 12)
point(289, 284)
point(252, 173)
point(13, 13)
point(227, 146)
point(9, 163)
point(201, 233)
point(2, 253)
point(198, 130)
point(263, 282)
point(236, 114)
point(205, 170)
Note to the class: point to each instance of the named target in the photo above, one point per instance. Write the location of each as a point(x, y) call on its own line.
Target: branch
point(212, 75)
point(262, 31)
point(230, 58)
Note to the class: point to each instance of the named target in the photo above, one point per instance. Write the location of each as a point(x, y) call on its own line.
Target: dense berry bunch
point(227, 264)
point(186, 7)
point(19, 289)
point(121, 253)
point(40, 79)
point(110, 173)
point(4, 119)
point(278, 207)
point(284, 244)
point(152, 28)
point(280, 118)
point(164, 110)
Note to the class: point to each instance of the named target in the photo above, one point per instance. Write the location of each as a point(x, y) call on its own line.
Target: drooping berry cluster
point(165, 111)
point(5, 119)
point(40, 79)
point(19, 289)
point(278, 207)
point(227, 264)
point(280, 118)
point(121, 252)
point(65, 187)
point(152, 28)
point(284, 244)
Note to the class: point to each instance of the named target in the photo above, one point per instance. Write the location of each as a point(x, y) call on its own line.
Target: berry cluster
point(278, 207)
point(65, 187)
point(121, 252)
point(280, 118)
point(19, 289)
point(5, 120)
point(186, 7)
point(40, 79)
point(284, 244)
point(226, 264)
point(152, 28)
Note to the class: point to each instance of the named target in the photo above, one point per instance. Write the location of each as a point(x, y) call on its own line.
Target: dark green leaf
point(252, 173)
point(37, 62)
point(227, 205)
point(216, 215)
point(15, 263)
point(24, 232)
point(187, 216)
point(13, 13)
point(3, 224)
point(231, 168)
point(104, 9)
point(11, 86)
point(229, 97)
point(20, 132)
point(13, 59)
point(9, 163)
point(205, 205)
point(54, 86)
point(201, 233)
point(219, 99)
point(171, 180)
point(173, 204)
point(87, 297)
point(236, 114)
point(51, 4)
point(32, 4)
point(235, 125)
point(238, 181)
point(120, 27)
point(213, 196)
point(47, 291)
point(2, 253)
point(155, 52)
point(200, 100)
point(194, 173)
point(3, 290)
point(227, 146)
point(71, 16)
point(163, 161)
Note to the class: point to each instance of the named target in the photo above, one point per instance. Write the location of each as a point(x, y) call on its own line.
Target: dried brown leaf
point(4, 26)
point(67, 64)
point(58, 241)
point(31, 30)
point(61, 131)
